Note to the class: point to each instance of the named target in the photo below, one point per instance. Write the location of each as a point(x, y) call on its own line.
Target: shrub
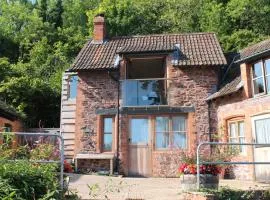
point(30, 181)
point(232, 194)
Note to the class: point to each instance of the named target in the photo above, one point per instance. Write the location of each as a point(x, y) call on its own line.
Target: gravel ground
point(119, 188)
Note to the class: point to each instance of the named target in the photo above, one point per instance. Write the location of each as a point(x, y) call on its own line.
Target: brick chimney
point(99, 29)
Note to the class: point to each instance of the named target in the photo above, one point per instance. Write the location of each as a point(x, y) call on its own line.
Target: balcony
point(143, 92)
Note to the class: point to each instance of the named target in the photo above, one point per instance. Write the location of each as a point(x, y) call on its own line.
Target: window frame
point(103, 133)
point(69, 87)
point(264, 77)
point(237, 136)
point(255, 118)
point(170, 132)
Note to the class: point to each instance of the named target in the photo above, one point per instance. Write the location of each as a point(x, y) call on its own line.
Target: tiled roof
point(143, 48)
point(196, 49)
point(254, 50)
point(227, 89)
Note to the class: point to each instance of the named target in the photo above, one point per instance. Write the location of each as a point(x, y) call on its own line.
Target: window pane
point(262, 128)
point(162, 124)
point(73, 81)
point(179, 123)
point(257, 70)
point(267, 66)
point(162, 140)
point(233, 140)
point(258, 86)
point(107, 137)
point(107, 141)
point(139, 131)
point(179, 140)
point(241, 129)
point(268, 83)
point(232, 130)
point(108, 125)
point(242, 148)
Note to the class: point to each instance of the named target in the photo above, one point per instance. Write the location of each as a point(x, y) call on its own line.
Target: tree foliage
point(39, 39)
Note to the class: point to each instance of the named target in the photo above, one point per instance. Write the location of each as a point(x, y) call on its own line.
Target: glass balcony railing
point(139, 92)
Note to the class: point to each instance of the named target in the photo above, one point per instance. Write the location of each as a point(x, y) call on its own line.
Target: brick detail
point(99, 29)
point(94, 165)
point(17, 125)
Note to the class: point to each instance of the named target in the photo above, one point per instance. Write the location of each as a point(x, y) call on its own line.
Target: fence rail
point(61, 149)
point(226, 163)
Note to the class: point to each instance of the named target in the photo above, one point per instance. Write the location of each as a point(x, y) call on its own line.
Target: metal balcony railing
point(143, 92)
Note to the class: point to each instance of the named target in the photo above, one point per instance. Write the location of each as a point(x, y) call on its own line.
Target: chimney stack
point(99, 28)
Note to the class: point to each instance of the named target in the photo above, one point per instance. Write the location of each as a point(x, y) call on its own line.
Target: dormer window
point(261, 77)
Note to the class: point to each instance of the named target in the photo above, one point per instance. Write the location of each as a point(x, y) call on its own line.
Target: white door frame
point(253, 119)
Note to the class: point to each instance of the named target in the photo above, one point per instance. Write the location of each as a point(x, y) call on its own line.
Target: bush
point(231, 194)
point(30, 181)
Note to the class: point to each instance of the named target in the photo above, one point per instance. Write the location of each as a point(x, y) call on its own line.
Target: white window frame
point(255, 118)
point(237, 136)
point(264, 76)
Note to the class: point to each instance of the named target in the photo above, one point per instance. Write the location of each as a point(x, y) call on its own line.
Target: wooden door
point(261, 134)
point(139, 147)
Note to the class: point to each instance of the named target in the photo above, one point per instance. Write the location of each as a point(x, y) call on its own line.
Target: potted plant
point(188, 173)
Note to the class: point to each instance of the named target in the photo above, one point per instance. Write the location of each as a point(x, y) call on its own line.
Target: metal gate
point(225, 163)
point(61, 150)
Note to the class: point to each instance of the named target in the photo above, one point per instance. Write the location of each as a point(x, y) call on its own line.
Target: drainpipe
point(118, 120)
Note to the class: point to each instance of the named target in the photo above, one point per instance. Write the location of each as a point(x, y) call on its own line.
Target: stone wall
point(186, 86)
point(96, 90)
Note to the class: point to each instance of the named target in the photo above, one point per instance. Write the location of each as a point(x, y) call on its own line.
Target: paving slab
point(122, 188)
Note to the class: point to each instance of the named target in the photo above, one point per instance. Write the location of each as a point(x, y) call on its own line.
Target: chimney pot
point(99, 28)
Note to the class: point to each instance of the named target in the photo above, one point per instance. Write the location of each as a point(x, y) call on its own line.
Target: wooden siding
point(68, 111)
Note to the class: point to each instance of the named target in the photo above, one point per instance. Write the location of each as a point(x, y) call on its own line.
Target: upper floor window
point(73, 82)
point(237, 134)
point(261, 77)
point(145, 82)
point(171, 132)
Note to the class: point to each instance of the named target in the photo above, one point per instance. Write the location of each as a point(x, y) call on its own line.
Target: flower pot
point(188, 182)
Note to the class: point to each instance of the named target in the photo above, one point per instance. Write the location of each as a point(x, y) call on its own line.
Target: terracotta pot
point(188, 182)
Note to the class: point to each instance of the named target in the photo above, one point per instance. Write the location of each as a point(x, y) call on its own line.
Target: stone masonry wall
point(96, 90)
point(187, 86)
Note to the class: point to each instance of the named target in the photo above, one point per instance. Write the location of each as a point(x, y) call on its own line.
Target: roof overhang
point(254, 57)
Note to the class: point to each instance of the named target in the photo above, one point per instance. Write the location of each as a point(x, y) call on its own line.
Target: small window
point(73, 82)
point(8, 128)
point(171, 132)
point(258, 78)
point(237, 134)
point(261, 77)
point(107, 134)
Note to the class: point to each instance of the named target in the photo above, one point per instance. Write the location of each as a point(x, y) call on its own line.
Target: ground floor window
point(107, 133)
point(237, 134)
point(170, 132)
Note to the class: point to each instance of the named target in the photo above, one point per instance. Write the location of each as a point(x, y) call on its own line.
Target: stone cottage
point(132, 104)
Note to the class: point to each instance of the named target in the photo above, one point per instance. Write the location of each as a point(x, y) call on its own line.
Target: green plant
point(31, 181)
point(44, 152)
point(232, 194)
